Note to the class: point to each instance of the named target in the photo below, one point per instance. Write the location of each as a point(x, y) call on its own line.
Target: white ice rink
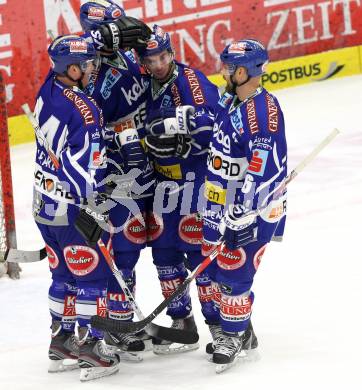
point(307, 311)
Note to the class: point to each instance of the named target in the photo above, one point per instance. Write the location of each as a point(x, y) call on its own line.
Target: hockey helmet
point(159, 41)
point(69, 50)
point(97, 12)
point(248, 53)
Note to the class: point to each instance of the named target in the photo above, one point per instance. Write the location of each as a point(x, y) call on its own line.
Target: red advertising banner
point(200, 29)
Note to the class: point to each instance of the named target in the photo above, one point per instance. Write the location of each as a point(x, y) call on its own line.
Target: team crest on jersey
point(81, 260)
point(236, 120)
point(135, 230)
point(95, 13)
point(190, 229)
point(225, 99)
point(111, 77)
point(166, 101)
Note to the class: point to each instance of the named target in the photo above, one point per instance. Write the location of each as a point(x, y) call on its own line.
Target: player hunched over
point(179, 118)
point(249, 140)
point(67, 208)
point(118, 88)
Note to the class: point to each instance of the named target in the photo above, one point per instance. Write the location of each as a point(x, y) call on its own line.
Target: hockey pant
point(232, 285)
point(79, 277)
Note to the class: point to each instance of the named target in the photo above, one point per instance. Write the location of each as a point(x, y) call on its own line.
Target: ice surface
point(307, 312)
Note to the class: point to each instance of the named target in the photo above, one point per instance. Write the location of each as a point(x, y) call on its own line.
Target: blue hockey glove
point(237, 227)
point(131, 149)
point(171, 121)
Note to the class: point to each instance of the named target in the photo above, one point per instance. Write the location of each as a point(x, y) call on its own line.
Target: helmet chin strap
point(235, 84)
point(78, 81)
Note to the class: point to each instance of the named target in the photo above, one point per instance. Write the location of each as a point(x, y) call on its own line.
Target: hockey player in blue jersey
point(67, 204)
point(119, 89)
point(179, 118)
point(247, 164)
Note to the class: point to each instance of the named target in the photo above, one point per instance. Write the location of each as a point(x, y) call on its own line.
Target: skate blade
point(62, 365)
point(174, 348)
point(148, 345)
point(251, 355)
point(91, 373)
point(126, 356)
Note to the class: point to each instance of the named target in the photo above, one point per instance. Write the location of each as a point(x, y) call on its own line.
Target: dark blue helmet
point(97, 12)
point(159, 41)
point(70, 50)
point(249, 53)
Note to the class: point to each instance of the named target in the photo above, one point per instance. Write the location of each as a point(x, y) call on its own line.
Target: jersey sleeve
point(200, 93)
point(83, 160)
point(267, 155)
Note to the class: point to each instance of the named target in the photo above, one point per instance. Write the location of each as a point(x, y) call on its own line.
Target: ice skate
point(127, 346)
point(229, 349)
point(63, 350)
point(250, 341)
point(95, 359)
point(164, 347)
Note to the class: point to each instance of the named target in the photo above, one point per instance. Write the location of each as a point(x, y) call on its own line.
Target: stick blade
point(13, 255)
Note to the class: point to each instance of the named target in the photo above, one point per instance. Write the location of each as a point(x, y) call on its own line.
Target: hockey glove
point(164, 146)
point(91, 220)
point(237, 227)
point(171, 121)
point(130, 146)
point(125, 33)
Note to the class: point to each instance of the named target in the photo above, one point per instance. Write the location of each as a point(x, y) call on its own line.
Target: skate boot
point(250, 340)
point(127, 346)
point(63, 350)
point(164, 347)
point(95, 359)
point(146, 338)
point(229, 348)
point(216, 332)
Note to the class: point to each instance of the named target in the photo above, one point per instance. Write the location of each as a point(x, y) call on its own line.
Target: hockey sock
point(91, 300)
point(171, 273)
point(118, 306)
point(62, 295)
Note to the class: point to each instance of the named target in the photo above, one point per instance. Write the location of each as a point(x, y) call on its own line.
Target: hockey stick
point(117, 326)
point(13, 255)
point(175, 335)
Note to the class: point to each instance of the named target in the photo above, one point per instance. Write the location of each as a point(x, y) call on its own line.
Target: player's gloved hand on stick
point(92, 220)
point(237, 227)
point(125, 33)
point(130, 146)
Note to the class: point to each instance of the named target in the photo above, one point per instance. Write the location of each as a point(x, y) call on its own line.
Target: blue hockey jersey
point(73, 126)
point(119, 89)
point(247, 163)
point(186, 86)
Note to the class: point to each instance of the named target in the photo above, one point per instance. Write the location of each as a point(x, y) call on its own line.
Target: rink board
point(313, 68)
